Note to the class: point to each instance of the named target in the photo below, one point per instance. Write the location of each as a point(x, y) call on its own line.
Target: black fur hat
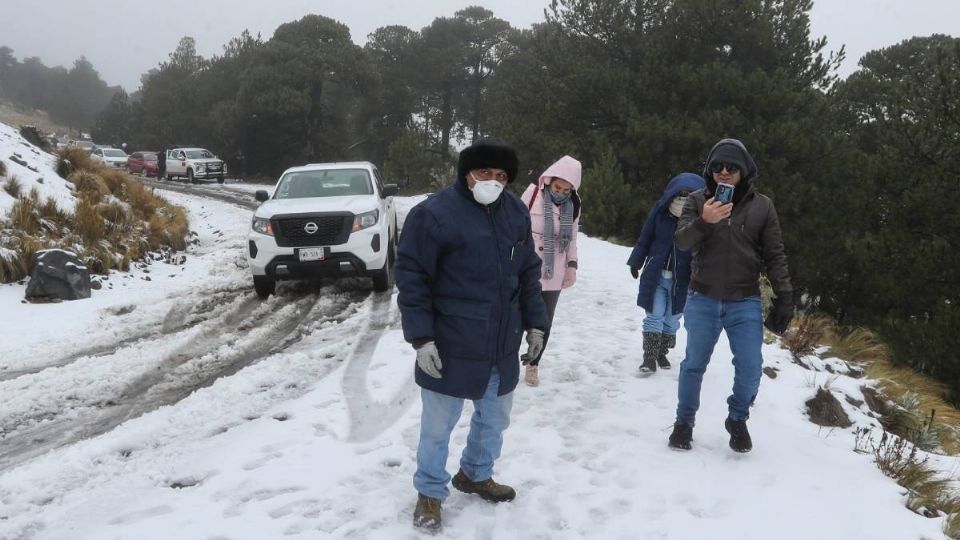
point(488, 153)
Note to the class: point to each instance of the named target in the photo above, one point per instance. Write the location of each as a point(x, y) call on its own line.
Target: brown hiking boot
point(427, 514)
point(487, 489)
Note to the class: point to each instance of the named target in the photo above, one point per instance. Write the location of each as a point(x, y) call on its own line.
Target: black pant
point(550, 298)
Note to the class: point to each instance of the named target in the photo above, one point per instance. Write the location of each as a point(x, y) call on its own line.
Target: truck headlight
point(200, 166)
point(365, 220)
point(262, 226)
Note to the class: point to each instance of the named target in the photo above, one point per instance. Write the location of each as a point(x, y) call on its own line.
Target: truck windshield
point(328, 183)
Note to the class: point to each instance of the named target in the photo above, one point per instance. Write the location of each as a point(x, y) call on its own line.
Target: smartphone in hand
point(724, 193)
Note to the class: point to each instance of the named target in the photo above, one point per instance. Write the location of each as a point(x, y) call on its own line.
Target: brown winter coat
point(729, 256)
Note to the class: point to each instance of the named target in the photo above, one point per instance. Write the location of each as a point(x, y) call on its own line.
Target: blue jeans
point(440, 414)
point(660, 319)
point(704, 318)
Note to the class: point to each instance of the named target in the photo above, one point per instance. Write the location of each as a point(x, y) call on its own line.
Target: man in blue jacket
point(469, 284)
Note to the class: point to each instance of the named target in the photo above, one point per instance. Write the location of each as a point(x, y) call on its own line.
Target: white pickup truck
point(324, 219)
point(194, 164)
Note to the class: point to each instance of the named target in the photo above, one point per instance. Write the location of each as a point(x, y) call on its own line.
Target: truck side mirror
point(389, 190)
point(261, 195)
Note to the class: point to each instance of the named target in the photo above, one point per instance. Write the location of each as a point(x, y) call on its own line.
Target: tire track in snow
point(181, 317)
point(196, 364)
point(370, 418)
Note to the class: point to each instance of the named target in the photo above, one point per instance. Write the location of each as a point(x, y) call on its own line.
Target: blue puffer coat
point(469, 279)
point(655, 245)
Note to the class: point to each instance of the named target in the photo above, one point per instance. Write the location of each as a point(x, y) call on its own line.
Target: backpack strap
point(535, 191)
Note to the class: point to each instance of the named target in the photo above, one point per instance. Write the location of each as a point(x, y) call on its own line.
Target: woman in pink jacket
point(555, 214)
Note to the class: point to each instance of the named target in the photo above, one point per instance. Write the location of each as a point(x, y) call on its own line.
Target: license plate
point(310, 254)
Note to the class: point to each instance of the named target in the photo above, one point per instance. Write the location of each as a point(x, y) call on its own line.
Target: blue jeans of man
point(704, 318)
point(660, 319)
point(491, 416)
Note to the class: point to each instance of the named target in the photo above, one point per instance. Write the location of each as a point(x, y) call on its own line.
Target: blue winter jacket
point(469, 279)
point(655, 246)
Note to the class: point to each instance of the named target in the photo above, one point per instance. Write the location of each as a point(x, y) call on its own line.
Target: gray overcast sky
point(125, 38)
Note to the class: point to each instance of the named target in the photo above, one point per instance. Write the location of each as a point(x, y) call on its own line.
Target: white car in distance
point(194, 164)
point(111, 157)
point(324, 220)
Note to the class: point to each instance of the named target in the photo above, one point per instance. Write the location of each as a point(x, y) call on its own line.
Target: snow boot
point(651, 350)
point(667, 342)
point(532, 375)
point(488, 490)
point(681, 436)
point(739, 436)
point(426, 515)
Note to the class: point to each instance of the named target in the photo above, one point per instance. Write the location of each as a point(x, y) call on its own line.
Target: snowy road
point(208, 332)
point(181, 407)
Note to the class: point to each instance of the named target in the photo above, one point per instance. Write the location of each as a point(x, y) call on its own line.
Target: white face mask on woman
point(486, 191)
point(676, 206)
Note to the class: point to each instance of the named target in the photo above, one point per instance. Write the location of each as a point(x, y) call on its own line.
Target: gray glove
point(428, 360)
point(534, 343)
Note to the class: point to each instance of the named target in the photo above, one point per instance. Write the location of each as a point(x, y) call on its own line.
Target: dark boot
point(739, 436)
point(487, 489)
point(667, 342)
point(651, 350)
point(681, 436)
point(426, 516)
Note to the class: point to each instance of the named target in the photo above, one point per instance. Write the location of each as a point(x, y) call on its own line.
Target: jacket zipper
point(496, 243)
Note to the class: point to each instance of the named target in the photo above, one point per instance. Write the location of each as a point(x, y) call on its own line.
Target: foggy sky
point(123, 38)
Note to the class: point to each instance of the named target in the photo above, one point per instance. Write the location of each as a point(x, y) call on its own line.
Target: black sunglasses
point(718, 166)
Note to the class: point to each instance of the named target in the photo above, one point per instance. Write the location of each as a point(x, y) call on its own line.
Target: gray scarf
point(551, 199)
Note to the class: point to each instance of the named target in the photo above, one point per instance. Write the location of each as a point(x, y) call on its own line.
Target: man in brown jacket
point(732, 243)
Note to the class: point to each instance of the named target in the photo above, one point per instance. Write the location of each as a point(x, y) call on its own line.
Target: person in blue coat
point(468, 282)
point(666, 272)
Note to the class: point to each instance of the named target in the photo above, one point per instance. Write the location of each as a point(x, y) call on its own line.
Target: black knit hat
point(488, 153)
point(730, 151)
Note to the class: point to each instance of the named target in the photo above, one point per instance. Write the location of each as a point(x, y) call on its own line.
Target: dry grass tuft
point(807, 332)
point(90, 186)
point(116, 220)
point(929, 494)
point(951, 527)
point(168, 227)
point(88, 223)
point(25, 216)
point(918, 398)
point(3, 168)
point(74, 159)
point(13, 186)
point(15, 262)
point(118, 182)
point(143, 201)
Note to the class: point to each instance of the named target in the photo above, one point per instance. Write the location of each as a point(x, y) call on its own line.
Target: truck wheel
point(264, 286)
point(190, 177)
point(383, 278)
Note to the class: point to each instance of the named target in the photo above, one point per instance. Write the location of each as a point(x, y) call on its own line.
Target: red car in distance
point(144, 163)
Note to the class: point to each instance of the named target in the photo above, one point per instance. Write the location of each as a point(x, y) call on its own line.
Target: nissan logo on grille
point(311, 228)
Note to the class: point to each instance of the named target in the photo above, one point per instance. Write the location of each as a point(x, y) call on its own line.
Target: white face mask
point(486, 191)
point(676, 206)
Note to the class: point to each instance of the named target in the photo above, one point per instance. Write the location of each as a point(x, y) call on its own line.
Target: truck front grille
point(331, 230)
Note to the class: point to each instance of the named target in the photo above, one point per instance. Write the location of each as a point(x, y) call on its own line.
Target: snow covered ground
point(37, 172)
point(314, 435)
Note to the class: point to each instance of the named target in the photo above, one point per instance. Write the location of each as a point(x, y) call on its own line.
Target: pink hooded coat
point(568, 169)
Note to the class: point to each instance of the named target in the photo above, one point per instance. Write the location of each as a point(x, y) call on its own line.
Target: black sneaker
point(681, 436)
point(739, 436)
